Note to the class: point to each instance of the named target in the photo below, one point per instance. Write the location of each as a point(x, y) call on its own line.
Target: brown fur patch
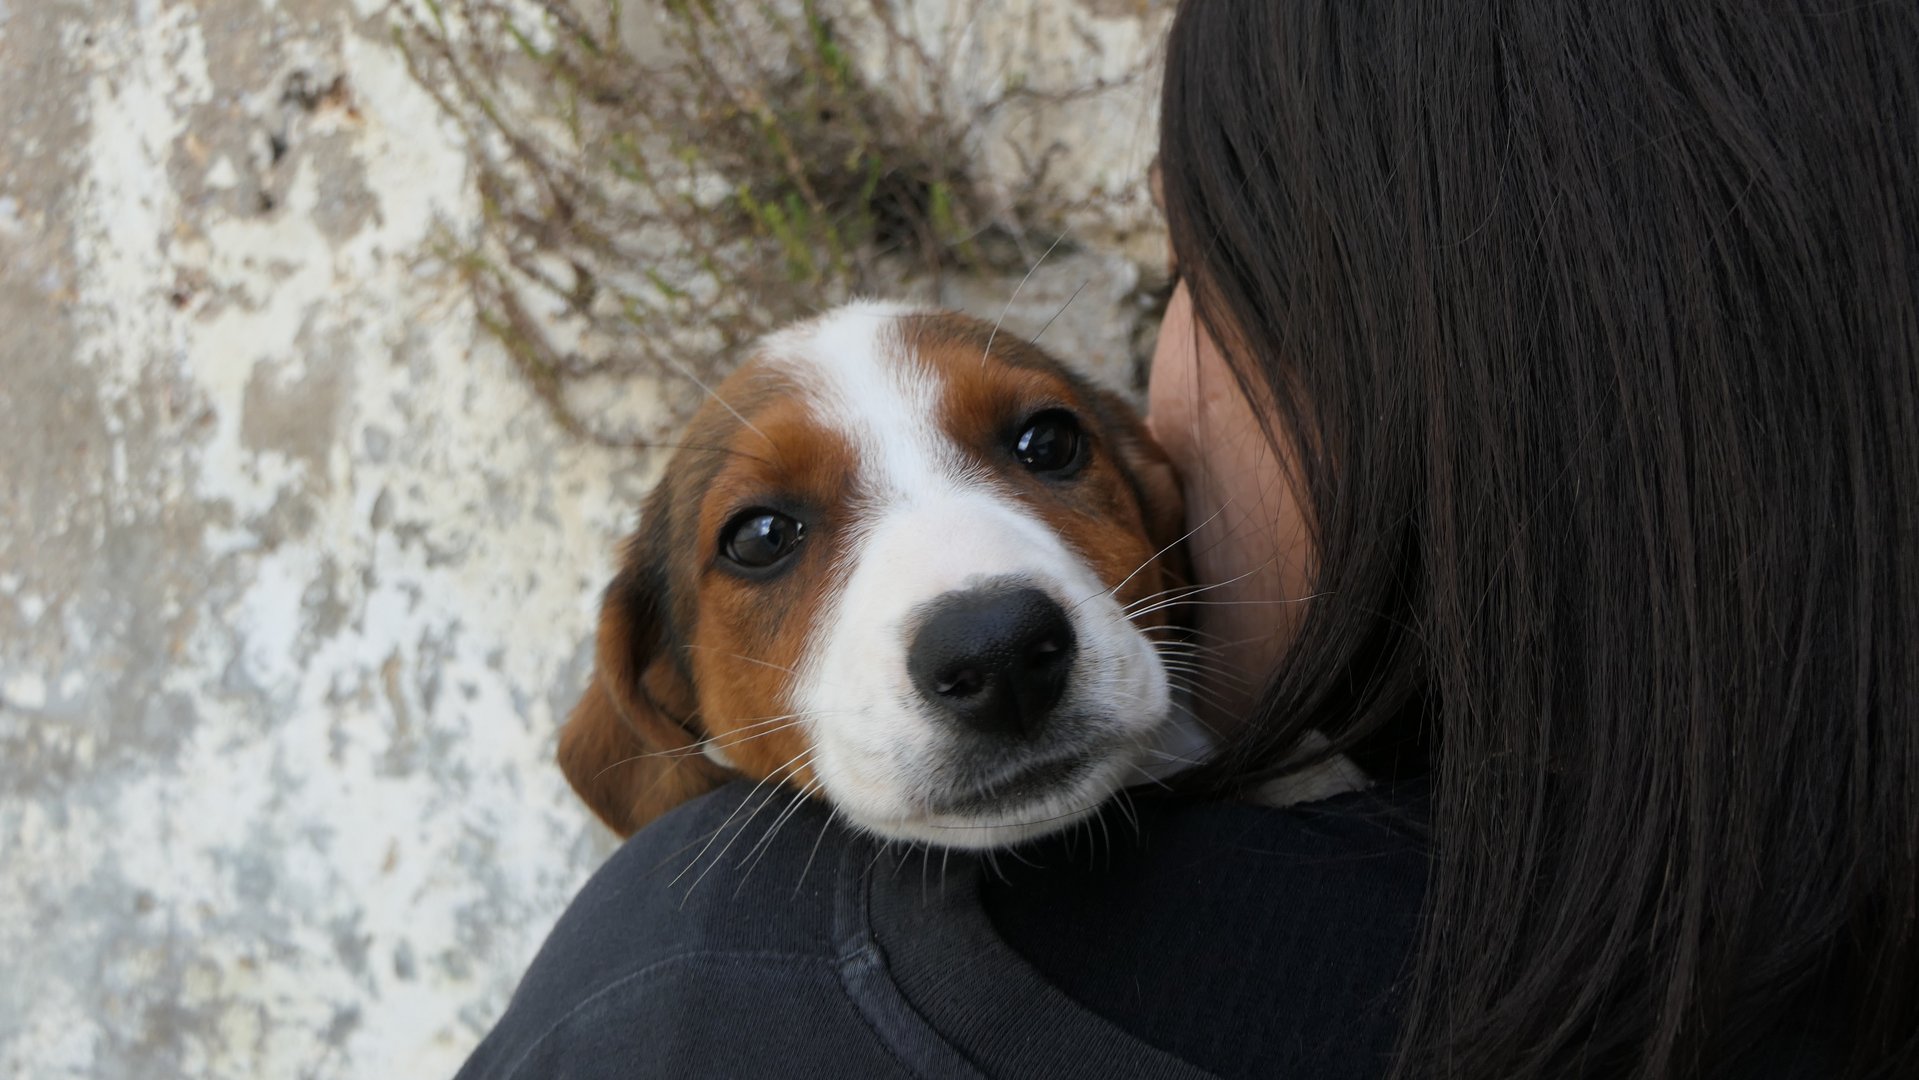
point(751, 634)
point(690, 649)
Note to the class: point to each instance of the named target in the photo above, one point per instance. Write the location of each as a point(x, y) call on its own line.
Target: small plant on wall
point(663, 183)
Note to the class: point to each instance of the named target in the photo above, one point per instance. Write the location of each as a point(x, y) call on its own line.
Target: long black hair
point(1593, 330)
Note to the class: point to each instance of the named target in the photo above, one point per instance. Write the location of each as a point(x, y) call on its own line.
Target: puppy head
point(893, 567)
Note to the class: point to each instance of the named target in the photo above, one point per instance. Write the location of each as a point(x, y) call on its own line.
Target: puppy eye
point(756, 539)
point(1050, 442)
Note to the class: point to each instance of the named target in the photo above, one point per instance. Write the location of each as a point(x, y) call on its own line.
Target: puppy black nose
point(994, 659)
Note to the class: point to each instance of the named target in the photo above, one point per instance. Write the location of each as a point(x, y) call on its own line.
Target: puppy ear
point(630, 749)
point(1157, 483)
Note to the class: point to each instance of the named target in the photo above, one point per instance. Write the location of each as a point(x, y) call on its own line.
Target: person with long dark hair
point(1545, 379)
point(1590, 333)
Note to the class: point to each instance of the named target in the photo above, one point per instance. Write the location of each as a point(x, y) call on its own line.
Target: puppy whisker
point(1154, 780)
point(643, 444)
point(1062, 310)
point(724, 404)
point(1202, 694)
point(723, 743)
point(1150, 559)
point(1192, 653)
point(1207, 662)
point(714, 838)
point(1011, 300)
point(764, 845)
point(1177, 759)
point(811, 855)
point(1126, 806)
point(1274, 602)
point(753, 660)
point(1200, 673)
point(716, 741)
point(1194, 590)
point(1189, 634)
point(1187, 590)
point(747, 659)
point(736, 833)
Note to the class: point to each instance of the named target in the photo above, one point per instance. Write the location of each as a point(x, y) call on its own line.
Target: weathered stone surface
point(296, 577)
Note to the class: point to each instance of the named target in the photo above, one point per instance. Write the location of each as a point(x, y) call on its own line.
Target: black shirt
point(1177, 940)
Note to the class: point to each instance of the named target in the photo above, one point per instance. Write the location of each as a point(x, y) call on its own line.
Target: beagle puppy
point(903, 563)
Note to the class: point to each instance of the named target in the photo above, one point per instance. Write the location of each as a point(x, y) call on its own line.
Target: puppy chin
point(1025, 804)
point(991, 830)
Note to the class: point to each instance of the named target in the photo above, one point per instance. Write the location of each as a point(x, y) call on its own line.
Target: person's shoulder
point(1267, 941)
point(689, 924)
point(724, 872)
point(748, 934)
point(717, 875)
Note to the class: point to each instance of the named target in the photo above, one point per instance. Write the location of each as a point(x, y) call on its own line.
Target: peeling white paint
point(283, 653)
point(24, 691)
point(364, 770)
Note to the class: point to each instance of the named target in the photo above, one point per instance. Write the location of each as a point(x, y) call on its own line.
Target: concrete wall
point(296, 576)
